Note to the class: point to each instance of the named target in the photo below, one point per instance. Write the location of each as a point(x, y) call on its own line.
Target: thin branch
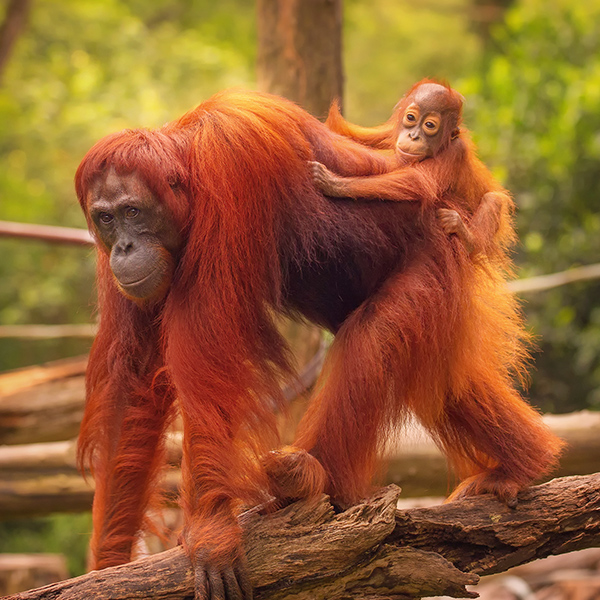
point(46, 233)
point(80, 236)
point(546, 282)
point(71, 235)
point(42, 332)
point(42, 478)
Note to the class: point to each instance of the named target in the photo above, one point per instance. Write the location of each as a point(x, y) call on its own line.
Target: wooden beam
point(546, 282)
point(46, 233)
point(42, 404)
point(42, 478)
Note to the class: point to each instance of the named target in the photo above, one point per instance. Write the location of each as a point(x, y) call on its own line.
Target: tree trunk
point(22, 571)
point(300, 51)
point(15, 19)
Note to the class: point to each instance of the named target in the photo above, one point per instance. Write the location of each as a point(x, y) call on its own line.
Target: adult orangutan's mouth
point(127, 284)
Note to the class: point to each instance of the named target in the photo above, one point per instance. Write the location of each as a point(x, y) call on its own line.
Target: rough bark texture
point(485, 537)
point(300, 50)
point(372, 551)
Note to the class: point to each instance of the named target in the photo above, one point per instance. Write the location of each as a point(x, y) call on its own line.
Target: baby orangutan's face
point(424, 126)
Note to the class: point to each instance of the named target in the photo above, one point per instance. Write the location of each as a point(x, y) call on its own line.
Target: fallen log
point(42, 403)
point(20, 571)
point(372, 551)
point(43, 478)
point(416, 465)
point(45, 403)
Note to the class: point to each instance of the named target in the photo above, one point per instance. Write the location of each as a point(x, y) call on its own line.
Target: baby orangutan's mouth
point(411, 155)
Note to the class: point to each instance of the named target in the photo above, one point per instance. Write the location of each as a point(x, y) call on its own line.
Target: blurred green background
point(529, 70)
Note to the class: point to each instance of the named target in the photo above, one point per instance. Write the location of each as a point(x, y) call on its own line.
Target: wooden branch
point(486, 537)
point(45, 403)
point(22, 380)
point(39, 479)
point(72, 235)
point(546, 282)
point(416, 464)
point(309, 374)
point(372, 551)
point(18, 571)
point(48, 332)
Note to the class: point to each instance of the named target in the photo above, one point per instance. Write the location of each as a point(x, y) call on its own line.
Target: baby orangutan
point(432, 156)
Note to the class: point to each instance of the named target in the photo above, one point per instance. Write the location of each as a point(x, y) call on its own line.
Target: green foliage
point(389, 46)
point(82, 69)
point(536, 111)
point(66, 534)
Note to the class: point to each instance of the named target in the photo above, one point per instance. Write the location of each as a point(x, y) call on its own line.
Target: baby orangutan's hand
point(453, 224)
point(450, 221)
point(329, 183)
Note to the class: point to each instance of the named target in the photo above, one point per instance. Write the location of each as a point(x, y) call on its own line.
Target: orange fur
point(443, 337)
point(375, 137)
point(233, 174)
point(420, 327)
point(456, 174)
point(293, 474)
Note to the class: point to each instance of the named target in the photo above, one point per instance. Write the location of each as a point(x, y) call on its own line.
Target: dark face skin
point(139, 234)
point(424, 129)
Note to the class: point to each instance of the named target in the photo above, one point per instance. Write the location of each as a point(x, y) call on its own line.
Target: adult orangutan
point(210, 227)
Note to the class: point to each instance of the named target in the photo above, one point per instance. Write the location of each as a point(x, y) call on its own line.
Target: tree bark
point(300, 51)
point(373, 551)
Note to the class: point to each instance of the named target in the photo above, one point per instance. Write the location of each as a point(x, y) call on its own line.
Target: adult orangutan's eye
point(105, 218)
point(132, 212)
